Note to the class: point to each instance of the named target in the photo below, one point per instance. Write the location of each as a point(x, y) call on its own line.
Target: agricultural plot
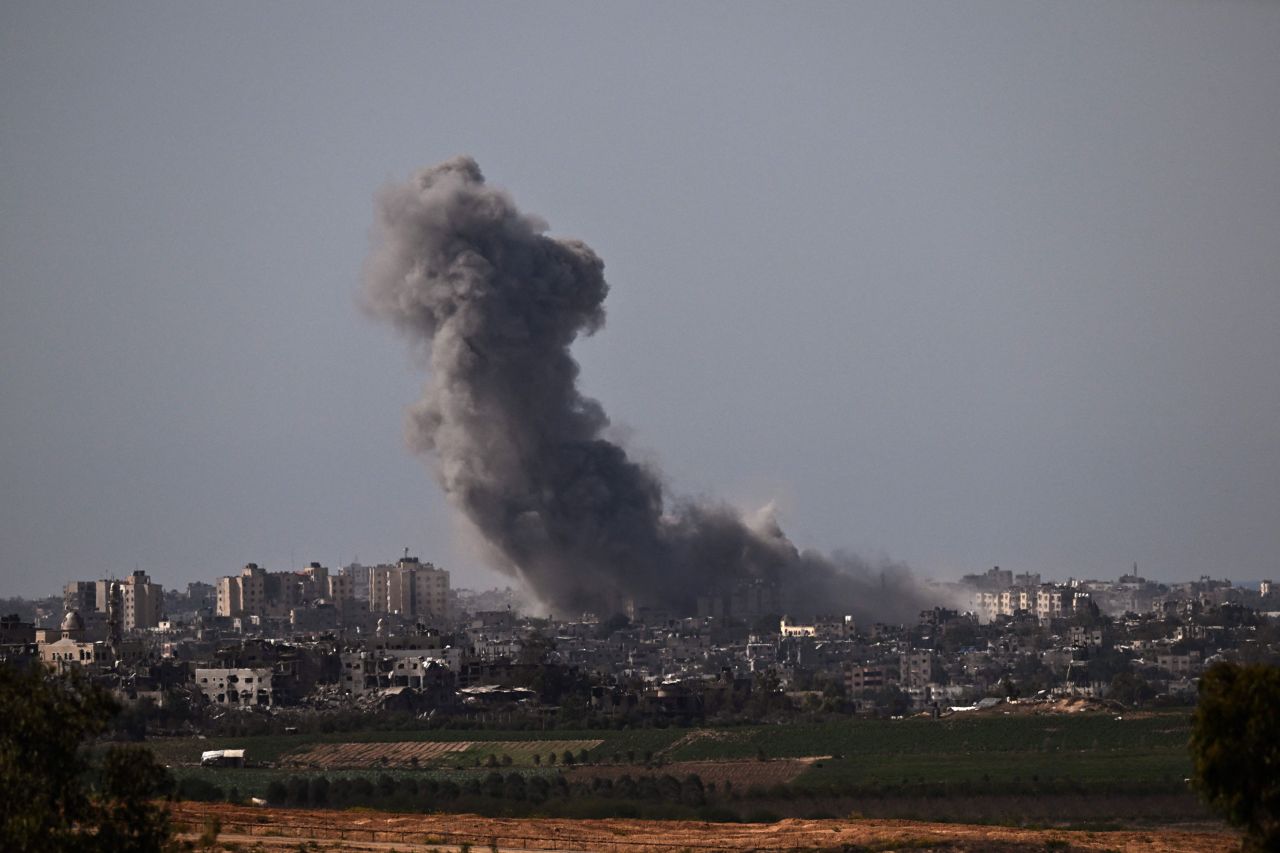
point(740, 775)
point(326, 756)
point(993, 753)
point(1117, 770)
point(268, 749)
point(962, 755)
point(404, 754)
point(1021, 734)
point(254, 781)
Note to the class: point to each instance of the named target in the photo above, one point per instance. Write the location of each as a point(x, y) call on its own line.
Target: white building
point(790, 628)
point(67, 654)
point(236, 687)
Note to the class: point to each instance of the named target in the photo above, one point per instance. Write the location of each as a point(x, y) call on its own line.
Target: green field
point(253, 781)
point(974, 734)
point(1094, 753)
point(989, 752)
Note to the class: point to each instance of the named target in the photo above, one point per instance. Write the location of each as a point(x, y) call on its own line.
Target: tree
point(891, 699)
point(692, 792)
point(127, 817)
point(277, 793)
point(45, 803)
point(1131, 689)
point(1235, 743)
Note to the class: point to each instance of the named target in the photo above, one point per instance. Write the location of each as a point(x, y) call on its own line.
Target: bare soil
point(277, 829)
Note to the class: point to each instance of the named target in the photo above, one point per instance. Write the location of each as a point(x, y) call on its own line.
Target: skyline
point(501, 582)
point(954, 287)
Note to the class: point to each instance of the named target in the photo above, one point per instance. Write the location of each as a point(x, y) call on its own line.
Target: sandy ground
point(278, 829)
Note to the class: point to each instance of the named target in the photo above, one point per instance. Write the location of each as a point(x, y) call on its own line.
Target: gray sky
point(960, 284)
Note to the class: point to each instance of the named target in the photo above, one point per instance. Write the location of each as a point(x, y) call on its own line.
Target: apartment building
point(409, 588)
point(862, 680)
point(141, 602)
point(242, 687)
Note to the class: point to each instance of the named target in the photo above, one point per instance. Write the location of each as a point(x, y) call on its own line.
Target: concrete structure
point(789, 628)
point(359, 576)
point(257, 593)
point(15, 632)
point(835, 627)
point(410, 588)
point(142, 603)
point(244, 595)
point(744, 599)
point(861, 680)
point(919, 668)
point(80, 596)
point(67, 653)
point(341, 588)
point(1184, 665)
point(139, 607)
point(403, 661)
point(236, 687)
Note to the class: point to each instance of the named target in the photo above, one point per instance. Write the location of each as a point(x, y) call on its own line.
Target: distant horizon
point(519, 587)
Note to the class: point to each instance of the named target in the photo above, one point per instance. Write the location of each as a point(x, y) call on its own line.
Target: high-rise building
point(142, 602)
point(341, 588)
point(359, 576)
point(410, 588)
point(245, 594)
point(257, 592)
point(140, 606)
point(80, 597)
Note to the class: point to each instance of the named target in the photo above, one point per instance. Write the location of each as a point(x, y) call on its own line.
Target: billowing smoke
point(496, 304)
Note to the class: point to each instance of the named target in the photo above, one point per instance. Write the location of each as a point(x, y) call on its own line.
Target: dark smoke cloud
point(496, 304)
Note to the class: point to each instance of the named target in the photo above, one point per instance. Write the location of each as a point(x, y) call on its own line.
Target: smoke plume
point(495, 304)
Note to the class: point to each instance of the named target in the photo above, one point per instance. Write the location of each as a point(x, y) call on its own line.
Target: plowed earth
point(327, 756)
point(277, 829)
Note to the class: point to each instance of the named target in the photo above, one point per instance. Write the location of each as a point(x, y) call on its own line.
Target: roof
point(215, 754)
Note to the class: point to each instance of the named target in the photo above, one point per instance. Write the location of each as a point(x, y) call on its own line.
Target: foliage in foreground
point(1235, 742)
point(50, 798)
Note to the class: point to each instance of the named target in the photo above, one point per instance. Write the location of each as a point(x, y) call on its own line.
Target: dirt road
point(276, 829)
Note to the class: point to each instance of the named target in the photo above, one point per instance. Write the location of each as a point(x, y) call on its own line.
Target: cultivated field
point(271, 749)
point(740, 775)
point(1080, 769)
point(404, 754)
point(997, 753)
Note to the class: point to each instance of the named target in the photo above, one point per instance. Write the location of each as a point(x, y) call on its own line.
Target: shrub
point(195, 788)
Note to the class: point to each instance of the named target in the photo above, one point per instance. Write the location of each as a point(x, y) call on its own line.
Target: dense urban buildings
point(397, 635)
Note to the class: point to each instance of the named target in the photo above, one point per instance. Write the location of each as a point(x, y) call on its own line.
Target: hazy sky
point(959, 284)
